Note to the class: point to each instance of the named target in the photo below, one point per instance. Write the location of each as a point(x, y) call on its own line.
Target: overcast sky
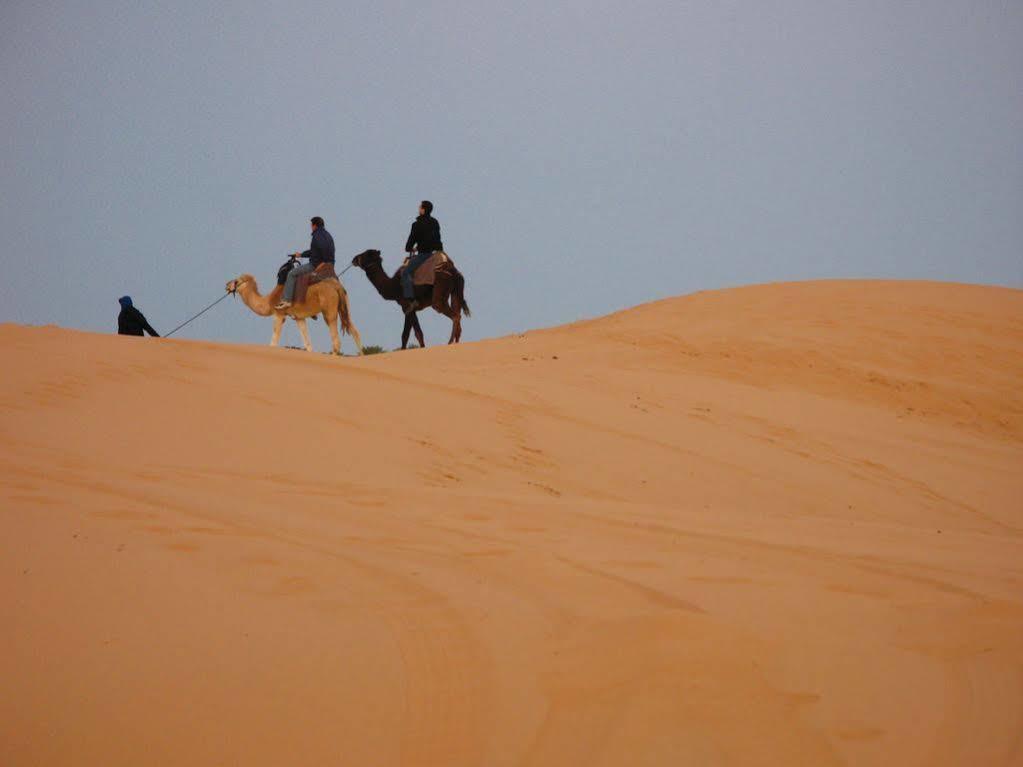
point(582, 157)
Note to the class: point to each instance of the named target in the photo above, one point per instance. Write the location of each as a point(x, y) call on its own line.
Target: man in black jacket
point(423, 241)
point(321, 251)
point(132, 322)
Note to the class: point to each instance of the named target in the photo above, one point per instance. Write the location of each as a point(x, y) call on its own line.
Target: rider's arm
point(306, 253)
point(410, 243)
point(146, 326)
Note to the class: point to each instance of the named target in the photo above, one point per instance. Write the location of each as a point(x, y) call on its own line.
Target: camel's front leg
point(407, 330)
point(418, 330)
point(305, 334)
point(275, 339)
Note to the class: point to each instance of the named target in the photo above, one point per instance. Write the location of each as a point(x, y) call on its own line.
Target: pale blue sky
point(582, 157)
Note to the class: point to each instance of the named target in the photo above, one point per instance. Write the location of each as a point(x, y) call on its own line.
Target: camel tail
point(345, 316)
point(460, 294)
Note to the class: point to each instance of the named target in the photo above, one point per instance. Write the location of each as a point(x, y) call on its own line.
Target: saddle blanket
point(323, 272)
point(425, 273)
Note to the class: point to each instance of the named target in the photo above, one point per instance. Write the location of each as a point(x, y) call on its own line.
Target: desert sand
point(776, 525)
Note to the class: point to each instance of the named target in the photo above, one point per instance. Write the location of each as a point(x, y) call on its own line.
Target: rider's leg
point(408, 287)
point(289, 283)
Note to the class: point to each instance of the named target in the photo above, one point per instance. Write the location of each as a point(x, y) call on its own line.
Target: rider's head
point(316, 222)
point(425, 208)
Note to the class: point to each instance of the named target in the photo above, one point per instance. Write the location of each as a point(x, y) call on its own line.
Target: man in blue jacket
point(321, 251)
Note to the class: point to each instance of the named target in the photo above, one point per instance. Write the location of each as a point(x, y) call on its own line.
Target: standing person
point(132, 322)
point(321, 251)
point(423, 241)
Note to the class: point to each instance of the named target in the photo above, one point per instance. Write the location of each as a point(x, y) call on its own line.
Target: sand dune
point(779, 525)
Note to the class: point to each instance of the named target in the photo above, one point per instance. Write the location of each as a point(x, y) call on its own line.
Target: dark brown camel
point(446, 295)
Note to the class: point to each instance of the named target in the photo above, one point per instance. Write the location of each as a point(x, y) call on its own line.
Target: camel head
point(233, 285)
point(367, 258)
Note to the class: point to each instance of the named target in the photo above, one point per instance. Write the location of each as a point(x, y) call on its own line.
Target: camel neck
point(260, 304)
point(386, 286)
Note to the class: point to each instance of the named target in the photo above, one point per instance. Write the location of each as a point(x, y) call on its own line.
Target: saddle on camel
point(426, 274)
point(321, 273)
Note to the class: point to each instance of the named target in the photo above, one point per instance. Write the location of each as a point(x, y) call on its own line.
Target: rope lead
point(200, 314)
point(196, 316)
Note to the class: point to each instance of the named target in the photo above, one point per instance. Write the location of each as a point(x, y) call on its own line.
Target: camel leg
point(453, 338)
point(456, 319)
point(345, 310)
point(275, 339)
point(418, 330)
point(443, 309)
point(406, 331)
point(356, 337)
point(441, 297)
point(305, 334)
point(456, 316)
point(335, 337)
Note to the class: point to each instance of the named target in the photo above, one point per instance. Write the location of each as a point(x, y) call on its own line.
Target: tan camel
point(328, 299)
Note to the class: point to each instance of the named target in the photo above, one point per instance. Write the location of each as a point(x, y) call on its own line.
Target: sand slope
point(774, 525)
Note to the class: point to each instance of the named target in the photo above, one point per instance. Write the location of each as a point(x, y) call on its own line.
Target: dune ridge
point(780, 524)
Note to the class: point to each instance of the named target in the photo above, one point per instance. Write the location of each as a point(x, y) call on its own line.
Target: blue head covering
point(125, 302)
